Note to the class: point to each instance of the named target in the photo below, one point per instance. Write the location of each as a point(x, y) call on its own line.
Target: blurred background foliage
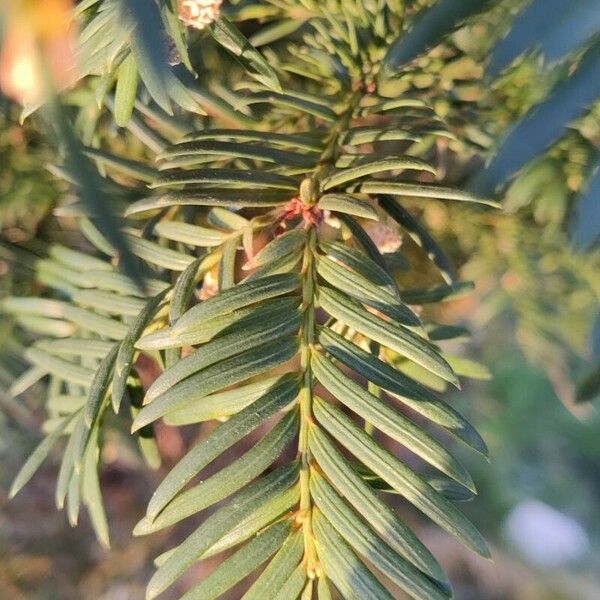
point(27, 193)
point(536, 264)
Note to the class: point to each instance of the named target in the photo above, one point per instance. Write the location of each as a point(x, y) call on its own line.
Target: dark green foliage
point(264, 296)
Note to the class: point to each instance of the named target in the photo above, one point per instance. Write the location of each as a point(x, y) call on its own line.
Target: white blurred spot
point(544, 536)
